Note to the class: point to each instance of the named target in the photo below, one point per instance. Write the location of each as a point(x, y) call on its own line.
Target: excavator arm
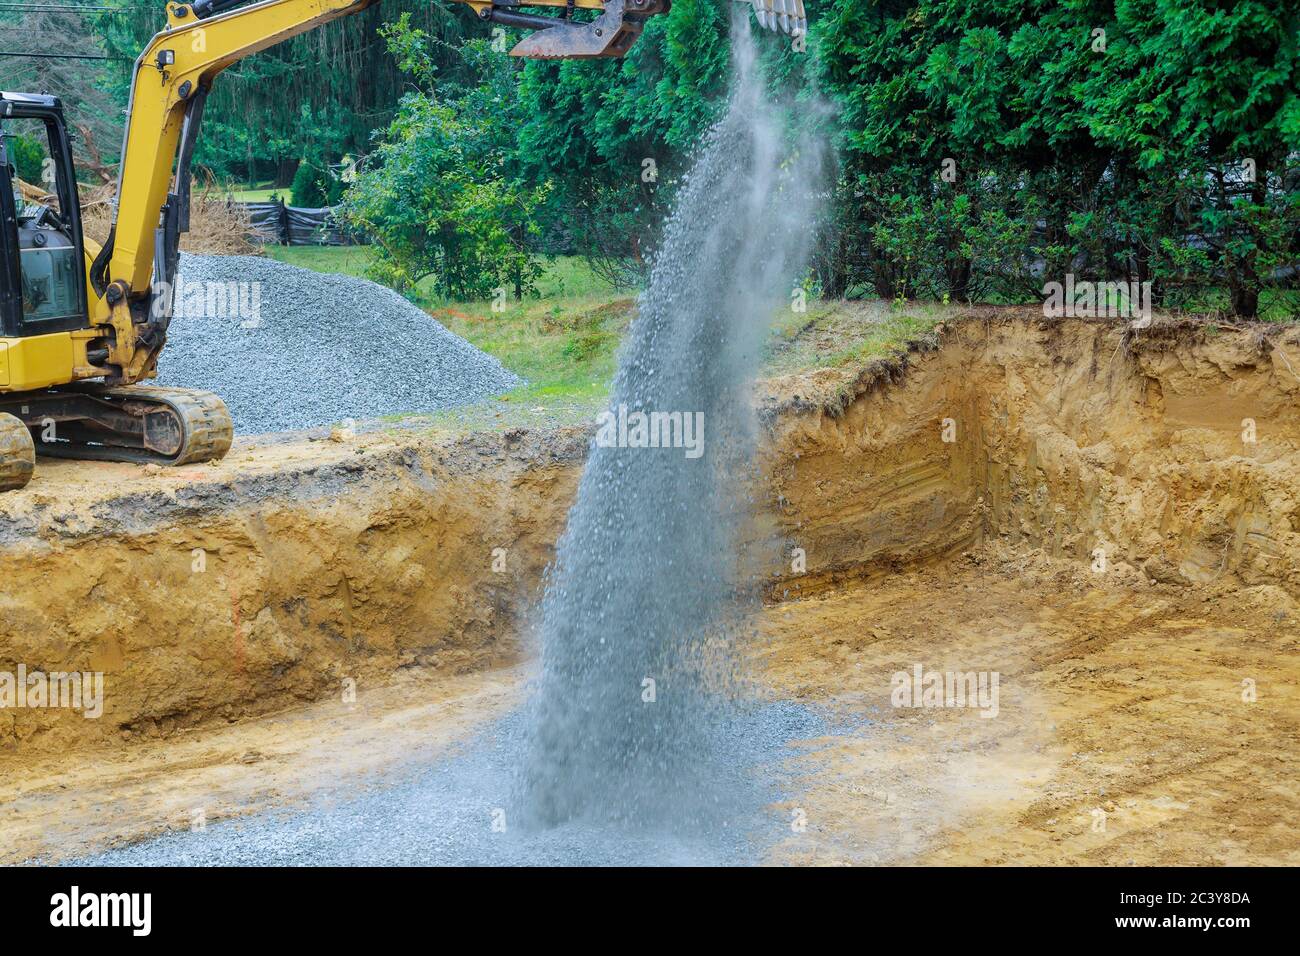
point(132, 274)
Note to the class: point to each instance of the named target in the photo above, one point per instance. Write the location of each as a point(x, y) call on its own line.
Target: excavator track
point(146, 424)
point(17, 453)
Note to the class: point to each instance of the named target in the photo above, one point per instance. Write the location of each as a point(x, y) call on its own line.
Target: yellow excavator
point(82, 325)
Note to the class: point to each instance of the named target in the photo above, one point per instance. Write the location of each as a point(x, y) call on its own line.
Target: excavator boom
point(132, 276)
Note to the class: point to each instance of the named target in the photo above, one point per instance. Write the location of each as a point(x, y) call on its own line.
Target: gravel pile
point(290, 348)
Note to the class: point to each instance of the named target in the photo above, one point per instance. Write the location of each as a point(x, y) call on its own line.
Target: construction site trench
point(1107, 519)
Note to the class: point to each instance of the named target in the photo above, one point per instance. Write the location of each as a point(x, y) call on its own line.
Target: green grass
point(838, 333)
point(891, 332)
point(349, 260)
point(1275, 305)
point(563, 343)
point(571, 276)
point(258, 195)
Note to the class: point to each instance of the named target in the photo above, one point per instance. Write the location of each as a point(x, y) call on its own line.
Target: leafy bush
point(28, 157)
point(439, 199)
point(314, 186)
point(1151, 139)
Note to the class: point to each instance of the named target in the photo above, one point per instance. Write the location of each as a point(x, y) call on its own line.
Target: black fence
point(277, 222)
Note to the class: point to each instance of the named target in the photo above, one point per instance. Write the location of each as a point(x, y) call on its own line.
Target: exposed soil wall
point(1173, 452)
point(222, 598)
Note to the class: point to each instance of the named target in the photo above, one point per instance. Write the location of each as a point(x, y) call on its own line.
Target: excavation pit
point(1110, 521)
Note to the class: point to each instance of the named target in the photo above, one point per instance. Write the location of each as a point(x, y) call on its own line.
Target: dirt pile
point(218, 227)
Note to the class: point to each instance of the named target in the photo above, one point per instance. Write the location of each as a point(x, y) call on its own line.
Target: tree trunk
point(959, 281)
point(1245, 297)
point(285, 172)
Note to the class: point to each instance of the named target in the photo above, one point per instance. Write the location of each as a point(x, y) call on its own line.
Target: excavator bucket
point(609, 35)
point(613, 32)
point(783, 16)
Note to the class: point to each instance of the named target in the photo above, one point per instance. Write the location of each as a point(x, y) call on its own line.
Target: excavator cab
point(42, 272)
point(51, 351)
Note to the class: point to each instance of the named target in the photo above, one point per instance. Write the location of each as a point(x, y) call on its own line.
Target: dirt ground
point(1123, 733)
point(57, 808)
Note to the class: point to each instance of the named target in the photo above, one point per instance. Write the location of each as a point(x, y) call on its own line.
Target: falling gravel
point(288, 348)
point(644, 611)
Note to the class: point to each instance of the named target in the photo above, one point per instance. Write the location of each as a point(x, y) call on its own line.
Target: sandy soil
point(1121, 736)
point(208, 594)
